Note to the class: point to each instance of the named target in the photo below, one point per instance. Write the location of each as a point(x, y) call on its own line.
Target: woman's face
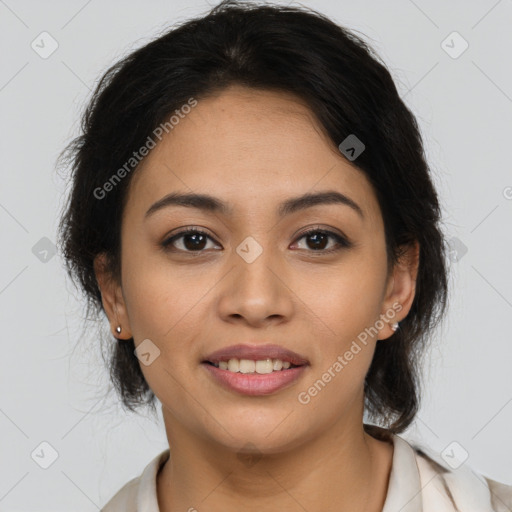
point(254, 278)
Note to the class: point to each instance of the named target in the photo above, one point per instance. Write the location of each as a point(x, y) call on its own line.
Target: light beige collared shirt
point(418, 482)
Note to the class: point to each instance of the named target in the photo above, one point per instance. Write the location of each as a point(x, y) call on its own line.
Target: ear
point(400, 288)
point(112, 298)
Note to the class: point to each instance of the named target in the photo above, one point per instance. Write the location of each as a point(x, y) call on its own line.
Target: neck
point(345, 466)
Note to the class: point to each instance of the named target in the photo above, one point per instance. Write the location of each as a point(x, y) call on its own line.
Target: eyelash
point(342, 242)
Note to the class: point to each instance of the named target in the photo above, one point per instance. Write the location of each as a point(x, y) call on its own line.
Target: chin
point(262, 437)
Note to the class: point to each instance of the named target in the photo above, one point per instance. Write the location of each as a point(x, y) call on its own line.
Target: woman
point(253, 212)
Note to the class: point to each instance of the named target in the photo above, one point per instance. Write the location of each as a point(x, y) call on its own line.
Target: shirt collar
point(404, 488)
point(403, 494)
point(147, 498)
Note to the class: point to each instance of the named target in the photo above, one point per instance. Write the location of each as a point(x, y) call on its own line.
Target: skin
point(313, 456)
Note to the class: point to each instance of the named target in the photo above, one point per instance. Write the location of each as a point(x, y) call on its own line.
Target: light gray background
point(48, 393)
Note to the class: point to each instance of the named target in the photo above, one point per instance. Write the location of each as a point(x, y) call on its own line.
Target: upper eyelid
point(306, 231)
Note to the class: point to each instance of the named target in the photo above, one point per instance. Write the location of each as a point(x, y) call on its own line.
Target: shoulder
point(140, 493)
point(501, 495)
point(458, 486)
point(125, 499)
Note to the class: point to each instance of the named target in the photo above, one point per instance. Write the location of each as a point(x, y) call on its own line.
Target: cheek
point(346, 302)
point(165, 306)
point(151, 303)
point(348, 297)
point(345, 307)
point(159, 296)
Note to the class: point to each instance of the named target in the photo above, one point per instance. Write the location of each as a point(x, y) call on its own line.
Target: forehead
point(241, 143)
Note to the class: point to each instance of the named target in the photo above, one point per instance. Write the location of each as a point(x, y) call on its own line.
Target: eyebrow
point(214, 205)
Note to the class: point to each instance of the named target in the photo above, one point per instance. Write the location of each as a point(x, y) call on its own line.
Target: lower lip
point(255, 384)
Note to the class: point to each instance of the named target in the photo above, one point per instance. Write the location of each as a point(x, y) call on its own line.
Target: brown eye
point(318, 240)
point(192, 240)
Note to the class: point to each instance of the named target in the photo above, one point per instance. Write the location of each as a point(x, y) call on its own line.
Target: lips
point(256, 353)
point(254, 384)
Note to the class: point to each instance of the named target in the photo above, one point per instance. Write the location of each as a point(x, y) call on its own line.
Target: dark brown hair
point(349, 90)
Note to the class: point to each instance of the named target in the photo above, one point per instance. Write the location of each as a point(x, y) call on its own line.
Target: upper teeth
point(250, 366)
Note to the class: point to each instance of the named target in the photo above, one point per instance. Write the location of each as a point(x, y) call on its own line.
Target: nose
point(256, 291)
